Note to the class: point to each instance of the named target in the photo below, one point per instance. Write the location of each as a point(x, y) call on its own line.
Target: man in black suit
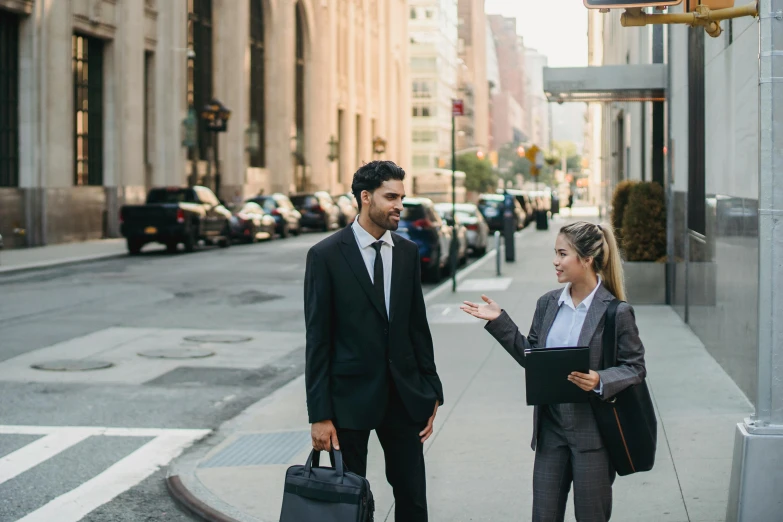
point(370, 363)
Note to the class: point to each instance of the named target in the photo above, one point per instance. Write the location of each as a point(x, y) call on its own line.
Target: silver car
point(471, 218)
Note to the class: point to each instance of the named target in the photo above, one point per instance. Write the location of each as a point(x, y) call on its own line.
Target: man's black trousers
point(404, 455)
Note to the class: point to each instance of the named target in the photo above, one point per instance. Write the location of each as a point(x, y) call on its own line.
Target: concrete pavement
point(479, 463)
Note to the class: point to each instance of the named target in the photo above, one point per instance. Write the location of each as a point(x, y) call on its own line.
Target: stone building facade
point(96, 95)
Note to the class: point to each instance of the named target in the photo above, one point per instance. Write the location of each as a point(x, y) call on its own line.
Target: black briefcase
point(627, 421)
point(315, 494)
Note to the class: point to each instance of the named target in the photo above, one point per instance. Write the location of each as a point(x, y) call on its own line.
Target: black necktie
point(378, 274)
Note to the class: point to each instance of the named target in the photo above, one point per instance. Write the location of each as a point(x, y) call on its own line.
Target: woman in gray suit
point(566, 440)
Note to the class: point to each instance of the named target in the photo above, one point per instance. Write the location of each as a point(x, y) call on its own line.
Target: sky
point(558, 30)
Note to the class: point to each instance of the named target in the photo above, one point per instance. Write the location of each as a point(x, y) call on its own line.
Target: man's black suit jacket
point(353, 346)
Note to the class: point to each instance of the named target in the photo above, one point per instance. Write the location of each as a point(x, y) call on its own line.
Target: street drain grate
point(218, 338)
point(72, 365)
point(258, 449)
point(177, 353)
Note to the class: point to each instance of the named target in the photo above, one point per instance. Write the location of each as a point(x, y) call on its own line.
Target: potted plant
point(642, 241)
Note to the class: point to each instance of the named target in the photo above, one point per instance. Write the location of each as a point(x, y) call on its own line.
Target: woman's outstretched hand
point(488, 311)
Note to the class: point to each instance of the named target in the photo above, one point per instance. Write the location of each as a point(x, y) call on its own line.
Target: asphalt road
point(56, 461)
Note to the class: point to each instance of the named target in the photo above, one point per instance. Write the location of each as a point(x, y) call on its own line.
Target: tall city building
point(103, 99)
point(432, 28)
point(508, 104)
point(473, 81)
point(537, 116)
point(493, 80)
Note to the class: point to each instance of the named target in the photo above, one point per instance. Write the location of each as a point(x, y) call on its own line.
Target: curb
point(59, 263)
point(193, 504)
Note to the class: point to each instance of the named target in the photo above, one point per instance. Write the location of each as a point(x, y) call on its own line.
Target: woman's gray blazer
point(630, 356)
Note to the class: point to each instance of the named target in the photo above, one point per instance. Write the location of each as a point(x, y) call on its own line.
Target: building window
point(9, 100)
point(421, 89)
point(421, 160)
point(423, 112)
point(257, 78)
point(413, 13)
point(88, 110)
point(200, 68)
point(696, 134)
point(429, 13)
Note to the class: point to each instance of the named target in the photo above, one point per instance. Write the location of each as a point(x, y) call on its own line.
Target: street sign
point(457, 107)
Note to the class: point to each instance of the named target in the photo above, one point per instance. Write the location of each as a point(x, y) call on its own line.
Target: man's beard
point(382, 219)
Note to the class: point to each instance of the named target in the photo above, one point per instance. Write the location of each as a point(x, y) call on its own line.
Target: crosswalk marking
point(166, 444)
point(37, 452)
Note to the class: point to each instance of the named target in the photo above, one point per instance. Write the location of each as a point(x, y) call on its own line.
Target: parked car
point(249, 223)
point(287, 218)
point(422, 224)
point(348, 208)
point(174, 215)
point(476, 227)
point(458, 228)
point(492, 207)
point(318, 211)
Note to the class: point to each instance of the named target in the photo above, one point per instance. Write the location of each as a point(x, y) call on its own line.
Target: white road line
point(99, 430)
point(38, 451)
point(77, 503)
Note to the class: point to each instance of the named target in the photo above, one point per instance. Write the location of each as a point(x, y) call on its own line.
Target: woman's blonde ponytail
point(612, 271)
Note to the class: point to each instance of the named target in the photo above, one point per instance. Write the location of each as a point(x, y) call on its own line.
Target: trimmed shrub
point(619, 201)
point(644, 223)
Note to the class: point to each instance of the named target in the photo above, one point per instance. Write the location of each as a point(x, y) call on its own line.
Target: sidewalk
point(479, 463)
point(36, 258)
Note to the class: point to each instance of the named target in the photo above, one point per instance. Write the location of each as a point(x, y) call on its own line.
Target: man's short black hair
point(371, 175)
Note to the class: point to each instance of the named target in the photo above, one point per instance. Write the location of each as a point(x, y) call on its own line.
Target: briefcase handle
point(315, 458)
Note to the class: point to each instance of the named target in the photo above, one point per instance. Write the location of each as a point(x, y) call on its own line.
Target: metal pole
point(671, 266)
point(758, 445)
point(454, 248)
point(497, 251)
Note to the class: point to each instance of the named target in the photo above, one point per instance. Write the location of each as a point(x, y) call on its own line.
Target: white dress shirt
point(365, 240)
point(569, 321)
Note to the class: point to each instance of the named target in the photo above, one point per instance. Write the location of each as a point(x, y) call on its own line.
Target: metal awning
point(606, 83)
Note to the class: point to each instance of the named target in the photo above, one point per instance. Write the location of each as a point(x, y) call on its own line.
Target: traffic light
point(622, 4)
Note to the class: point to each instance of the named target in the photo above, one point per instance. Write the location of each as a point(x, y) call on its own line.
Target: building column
point(31, 121)
point(170, 91)
point(124, 112)
point(317, 95)
point(56, 76)
point(231, 69)
point(280, 99)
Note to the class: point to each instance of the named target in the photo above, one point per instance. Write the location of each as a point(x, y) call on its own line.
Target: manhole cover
point(218, 338)
point(178, 353)
point(250, 297)
point(66, 365)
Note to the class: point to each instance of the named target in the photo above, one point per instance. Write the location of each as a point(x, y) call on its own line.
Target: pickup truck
point(174, 215)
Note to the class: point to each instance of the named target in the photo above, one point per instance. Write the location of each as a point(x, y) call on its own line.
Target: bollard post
point(497, 251)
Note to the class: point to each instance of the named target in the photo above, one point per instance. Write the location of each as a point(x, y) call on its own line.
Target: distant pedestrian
point(566, 439)
point(370, 362)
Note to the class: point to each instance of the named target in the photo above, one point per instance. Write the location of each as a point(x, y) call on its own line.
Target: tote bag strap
point(609, 339)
